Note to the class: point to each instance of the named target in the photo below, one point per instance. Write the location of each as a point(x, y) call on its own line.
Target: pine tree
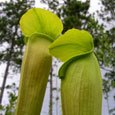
point(107, 15)
point(11, 36)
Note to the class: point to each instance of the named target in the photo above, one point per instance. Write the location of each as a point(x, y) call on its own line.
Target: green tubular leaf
point(81, 87)
point(37, 20)
point(73, 43)
point(40, 28)
point(35, 71)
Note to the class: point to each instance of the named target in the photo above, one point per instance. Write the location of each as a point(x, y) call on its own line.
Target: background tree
point(51, 93)
point(11, 36)
point(9, 109)
point(107, 49)
point(74, 14)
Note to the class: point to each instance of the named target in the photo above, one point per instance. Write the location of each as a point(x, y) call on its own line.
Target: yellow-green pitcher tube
point(81, 83)
point(34, 76)
point(81, 87)
point(40, 27)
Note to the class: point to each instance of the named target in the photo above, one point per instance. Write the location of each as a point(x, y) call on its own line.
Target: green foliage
point(107, 11)
point(9, 109)
point(106, 53)
point(10, 34)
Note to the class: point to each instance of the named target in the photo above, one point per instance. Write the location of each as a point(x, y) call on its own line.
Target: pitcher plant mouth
point(81, 84)
point(39, 33)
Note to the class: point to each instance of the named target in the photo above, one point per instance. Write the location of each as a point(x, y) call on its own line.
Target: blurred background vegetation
point(74, 14)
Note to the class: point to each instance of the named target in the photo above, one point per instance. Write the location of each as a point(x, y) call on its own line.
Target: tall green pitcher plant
point(81, 84)
point(41, 28)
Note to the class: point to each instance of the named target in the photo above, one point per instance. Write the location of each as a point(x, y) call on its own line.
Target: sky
point(93, 8)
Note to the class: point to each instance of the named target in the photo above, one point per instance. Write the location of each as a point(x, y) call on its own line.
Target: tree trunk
point(8, 65)
point(6, 74)
point(50, 107)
